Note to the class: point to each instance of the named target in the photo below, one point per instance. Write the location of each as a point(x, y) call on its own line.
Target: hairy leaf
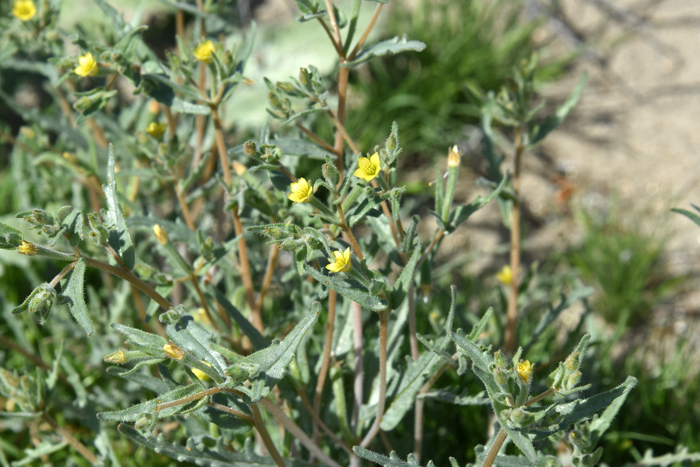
point(348, 290)
point(119, 238)
point(392, 46)
point(74, 296)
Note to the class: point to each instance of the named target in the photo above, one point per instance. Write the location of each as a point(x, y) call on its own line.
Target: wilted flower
point(368, 167)
point(342, 261)
point(302, 191)
point(173, 351)
point(28, 248)
point(88, 65)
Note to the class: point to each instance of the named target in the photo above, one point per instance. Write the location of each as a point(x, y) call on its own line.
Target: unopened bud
point(160, 234)
point(153, 106)
point(173, 351)
point(501, 361)
point(142, 422)
point(289, 245)
point(273, 232)
point(118, 357)
point(249, 148)
point(285, 87)
point(500, 376)
point(239, 168)
point(304, 76)
point(574, 379)
point(454, 157)
point(571, 362)
point(42, 301)
point(330, 172)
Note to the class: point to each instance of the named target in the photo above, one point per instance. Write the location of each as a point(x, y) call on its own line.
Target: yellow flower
point(505, 275)
point(342, 261)
point(368, 167)
point(160, 234)
point(156, 129)
point(88, 65)
point(173, 351)
point(28, 248)
point(117, 357)
point(524, 370)
point(203, 51)
point(200, 374)
point(302, 191)
point(24, 10)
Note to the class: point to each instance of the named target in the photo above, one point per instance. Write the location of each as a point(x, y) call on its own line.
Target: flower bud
point(330, 173)
point(160, 234)
point(500, 376)
point(239, 168)
point(41, 302)
point(173, 351)
point(454, 157)
point(574, 379)
point(118, 357)
point(571, 362)
point(143, 422)
point(391, 142)
point(273, 232)
point(169, 317)
point(501, 361)
point(285, 87)
point(304, 76)
point(249, 148)
point(289, 245)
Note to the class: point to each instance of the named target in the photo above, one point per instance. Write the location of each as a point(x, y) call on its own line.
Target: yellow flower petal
point(341, 261)
point(302, 191)
point(88, 65)
point(203, 52)
point(24, 10)
point(157, 130)
point(368, 167)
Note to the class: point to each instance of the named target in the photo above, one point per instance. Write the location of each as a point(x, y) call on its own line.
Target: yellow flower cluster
point(23, 10)
point(88, 66)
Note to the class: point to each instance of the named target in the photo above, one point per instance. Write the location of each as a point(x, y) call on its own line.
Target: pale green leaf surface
point(119, 238)
point(74, 296)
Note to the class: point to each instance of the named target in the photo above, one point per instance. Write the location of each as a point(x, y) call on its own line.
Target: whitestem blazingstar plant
point(217, 331)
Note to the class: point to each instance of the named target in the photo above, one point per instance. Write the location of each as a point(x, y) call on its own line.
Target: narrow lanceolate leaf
point(462, 213)
point(135, 412)
point(480, 358)
point(582, 409)
point(417, 374)
point(389, 46)
point(539, 132)
point(273, 360)
point(145, 339)
point(521, 440)
point(392, 461)
point(119, 237)
point(689, 214)
point(196, 451)
point(193, 339)
point(74, 296)
point(404, 281)
point(348, 290)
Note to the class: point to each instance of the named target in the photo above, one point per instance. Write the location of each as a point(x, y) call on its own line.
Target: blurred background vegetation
point(471, 43)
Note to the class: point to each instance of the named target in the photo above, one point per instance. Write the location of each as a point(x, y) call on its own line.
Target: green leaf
point(119, 238)
point(521, 440)
point(689, 214)
point(273, 360)
point(390, 46)
point(74, 223)
point(462, 213)
point(197, 451)
point(538, 132)
point(178, 105)
point(145, 339)
point(464, 398)
point(74, 295)
point(581, 409)
point(348, 290)
point(135, 412)
point(10, 238)
point(192, 338)
point(392, 461)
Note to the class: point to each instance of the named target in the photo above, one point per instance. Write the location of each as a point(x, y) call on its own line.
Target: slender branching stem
point(334, 26)
point(10, 344)
point(185, 209)
point(365, 34)
point(325, 359)
point(129, 276)
point(231, 411)
point(256, 317)
point(172, 121)
point(54, 282)
point(260, 427)
point(323, 426)
point(495, 447)
point(269, 271)
point(438, 236)
point(220, 144)
point(295, 430)
point(512, 313)
point(286, 171)
point(185, 400)
point(317, 139)
point(539, 397)
point(349, 234)
point(70, 439)
point(339, 126)
point(383, 327)
point(358, 388)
